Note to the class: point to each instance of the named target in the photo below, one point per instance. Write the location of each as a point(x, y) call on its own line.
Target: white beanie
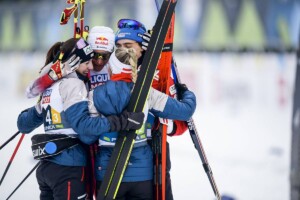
point(117, 67)
point(101, 38)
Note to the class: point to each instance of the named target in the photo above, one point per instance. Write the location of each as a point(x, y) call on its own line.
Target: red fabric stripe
point(83, 175)
point(69, 190)
point(121, 77)
point(44, 82)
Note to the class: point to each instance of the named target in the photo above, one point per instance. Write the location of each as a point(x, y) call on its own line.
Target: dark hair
point(59, 47)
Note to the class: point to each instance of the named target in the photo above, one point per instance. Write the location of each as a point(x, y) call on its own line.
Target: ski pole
point(23, 180)
point(9, 140)
point(68, 12)
point(195, 136)
point(12, 158)
point(75, 17)
point(82, 2)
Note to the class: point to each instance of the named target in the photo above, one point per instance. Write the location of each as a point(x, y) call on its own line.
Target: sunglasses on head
point(103, 56)
point(130, 23)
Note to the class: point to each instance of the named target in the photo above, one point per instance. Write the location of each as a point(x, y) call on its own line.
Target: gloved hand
point(169, 123)
point(180, 88)
point(126, 121)
point(59, 69)
point(146, 39)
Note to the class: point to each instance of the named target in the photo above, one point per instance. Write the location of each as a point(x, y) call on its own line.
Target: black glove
point(146, 39)
point(181, 88)
point(126, 120)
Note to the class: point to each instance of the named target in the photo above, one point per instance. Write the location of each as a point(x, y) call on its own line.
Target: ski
point(160, 136)
point(194, 135)
point(122, 150)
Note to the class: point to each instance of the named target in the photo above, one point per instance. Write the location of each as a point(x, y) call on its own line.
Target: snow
point(243, 119)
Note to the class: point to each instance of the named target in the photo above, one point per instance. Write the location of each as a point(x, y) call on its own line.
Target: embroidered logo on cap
point(123, 34)
point(101, 41)
point(87, 50)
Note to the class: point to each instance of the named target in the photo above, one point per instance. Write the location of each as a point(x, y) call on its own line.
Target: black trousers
point(141, 190)
point(57, 182)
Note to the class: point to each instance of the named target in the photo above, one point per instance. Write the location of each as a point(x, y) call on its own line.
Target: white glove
point(169, 123)
point(51, 73)
point(59, 70)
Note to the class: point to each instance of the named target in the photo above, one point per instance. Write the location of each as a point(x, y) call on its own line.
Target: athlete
point(133, 34)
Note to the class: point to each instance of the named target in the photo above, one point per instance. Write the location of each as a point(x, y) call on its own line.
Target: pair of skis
point(122, 150)
point(159, 137)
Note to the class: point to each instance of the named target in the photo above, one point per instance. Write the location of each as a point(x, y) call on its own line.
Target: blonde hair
point(128, 57)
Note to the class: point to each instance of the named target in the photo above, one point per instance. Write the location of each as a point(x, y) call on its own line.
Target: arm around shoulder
point(74, 95)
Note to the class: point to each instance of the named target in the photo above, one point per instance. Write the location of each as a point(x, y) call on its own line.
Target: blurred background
point(201, 24)
point(238, 56)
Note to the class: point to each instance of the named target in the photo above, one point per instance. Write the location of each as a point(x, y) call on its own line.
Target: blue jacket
point(74, 95)
point(112, 98)
point(30, 119)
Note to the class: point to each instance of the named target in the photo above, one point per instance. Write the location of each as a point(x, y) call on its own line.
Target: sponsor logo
point(53, 127)
point(123, 34)
point(156, 75)
point(45, 100)
point(50, 127)
point(47, 92)
point(50, 147)
point(190, 124)
point(101, 41)
point(99, 78)
point(87, 50)
point(172, 90)
point(46, 96)
point(38, 152)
